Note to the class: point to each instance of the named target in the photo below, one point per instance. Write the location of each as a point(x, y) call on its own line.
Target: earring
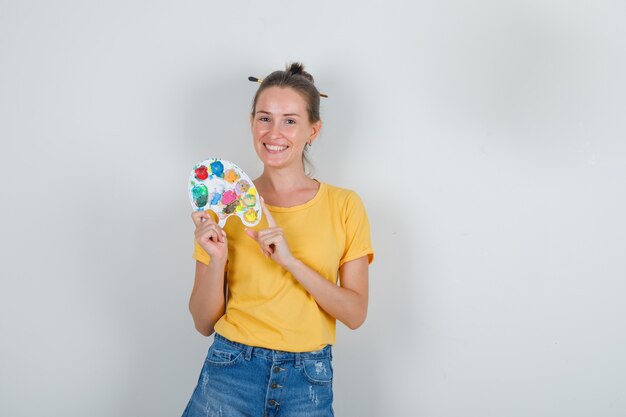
point(309, 142)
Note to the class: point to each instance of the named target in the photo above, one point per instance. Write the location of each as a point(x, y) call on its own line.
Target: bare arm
point(347, 303)
point(208, 297)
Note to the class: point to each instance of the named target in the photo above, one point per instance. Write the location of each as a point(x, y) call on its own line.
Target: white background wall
point(487, 139)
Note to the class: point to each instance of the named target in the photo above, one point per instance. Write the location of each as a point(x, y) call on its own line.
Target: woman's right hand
point(210, 236)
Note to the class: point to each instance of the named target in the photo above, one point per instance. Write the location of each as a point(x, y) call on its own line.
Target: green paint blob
point(200, 195)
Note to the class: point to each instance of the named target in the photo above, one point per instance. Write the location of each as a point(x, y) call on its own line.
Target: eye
point(290, 121)
point(264, 119)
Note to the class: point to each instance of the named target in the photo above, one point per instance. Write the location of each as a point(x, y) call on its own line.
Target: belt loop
point(298, 360)
point(248, 353)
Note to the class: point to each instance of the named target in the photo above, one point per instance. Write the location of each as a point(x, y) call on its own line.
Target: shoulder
point(339, 192)
point(342, 198)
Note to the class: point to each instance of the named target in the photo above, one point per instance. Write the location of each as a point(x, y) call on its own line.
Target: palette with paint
point(220, 186)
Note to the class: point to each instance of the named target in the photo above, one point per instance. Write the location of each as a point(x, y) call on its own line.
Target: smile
point(275, 148)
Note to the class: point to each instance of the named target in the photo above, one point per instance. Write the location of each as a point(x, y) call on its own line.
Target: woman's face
point(281, 128)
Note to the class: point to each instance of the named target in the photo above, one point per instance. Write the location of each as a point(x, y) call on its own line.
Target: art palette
point(222, 187)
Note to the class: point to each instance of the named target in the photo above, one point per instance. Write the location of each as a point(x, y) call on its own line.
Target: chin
point(274, 163)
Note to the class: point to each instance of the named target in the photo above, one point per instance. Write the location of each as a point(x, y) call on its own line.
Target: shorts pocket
point(222, 354)
point(318, 371)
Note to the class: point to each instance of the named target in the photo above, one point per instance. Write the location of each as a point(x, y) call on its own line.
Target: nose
point(275, 130)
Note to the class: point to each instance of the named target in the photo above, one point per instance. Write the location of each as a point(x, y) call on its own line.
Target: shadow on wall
point(370, 358)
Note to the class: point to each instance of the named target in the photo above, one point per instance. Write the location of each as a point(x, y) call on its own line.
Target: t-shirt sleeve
point(357, 228)
point(200, 254)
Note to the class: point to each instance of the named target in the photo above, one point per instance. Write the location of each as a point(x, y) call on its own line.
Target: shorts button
point(277, 369)
point(274, 385)
point(272, 403)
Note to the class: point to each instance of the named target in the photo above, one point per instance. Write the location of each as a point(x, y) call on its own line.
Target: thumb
point(253, 234)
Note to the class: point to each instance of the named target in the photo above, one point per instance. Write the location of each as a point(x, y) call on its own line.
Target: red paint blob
point(201, 173)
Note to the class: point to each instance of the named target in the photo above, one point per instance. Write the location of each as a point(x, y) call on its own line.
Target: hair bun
point(297, 68)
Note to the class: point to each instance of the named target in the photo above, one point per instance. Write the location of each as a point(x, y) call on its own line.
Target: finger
point(266, 250)
point(206, 233)
point(269, 231)
point(271, 243)
point(270, 220)
point(220, 235)
point(252, 233)
point(196, 217)
point(273, 236)
point(206, 238)
point(255, 235)
point(214, 232)
point(200, 217)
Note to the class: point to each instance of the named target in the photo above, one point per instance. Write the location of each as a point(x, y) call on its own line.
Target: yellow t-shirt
point(267, 307)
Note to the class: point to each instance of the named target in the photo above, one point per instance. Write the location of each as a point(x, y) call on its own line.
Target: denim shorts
point(238, 380)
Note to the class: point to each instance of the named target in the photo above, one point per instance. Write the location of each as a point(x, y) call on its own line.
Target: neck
point(284, 180)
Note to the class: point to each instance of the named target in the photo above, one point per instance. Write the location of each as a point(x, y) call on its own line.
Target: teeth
point(275, 147)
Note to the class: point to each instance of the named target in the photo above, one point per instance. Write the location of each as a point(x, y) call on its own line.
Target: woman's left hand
point(272, 240)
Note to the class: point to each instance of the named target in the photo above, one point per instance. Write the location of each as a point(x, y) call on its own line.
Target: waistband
point(277, 355)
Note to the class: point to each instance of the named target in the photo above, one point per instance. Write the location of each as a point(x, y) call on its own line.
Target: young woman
point(272, 293)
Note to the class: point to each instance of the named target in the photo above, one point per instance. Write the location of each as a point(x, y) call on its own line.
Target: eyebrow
point(286, 114)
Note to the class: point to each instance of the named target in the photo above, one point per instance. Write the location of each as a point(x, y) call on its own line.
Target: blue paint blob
point(217, 168)
point(217, 197)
